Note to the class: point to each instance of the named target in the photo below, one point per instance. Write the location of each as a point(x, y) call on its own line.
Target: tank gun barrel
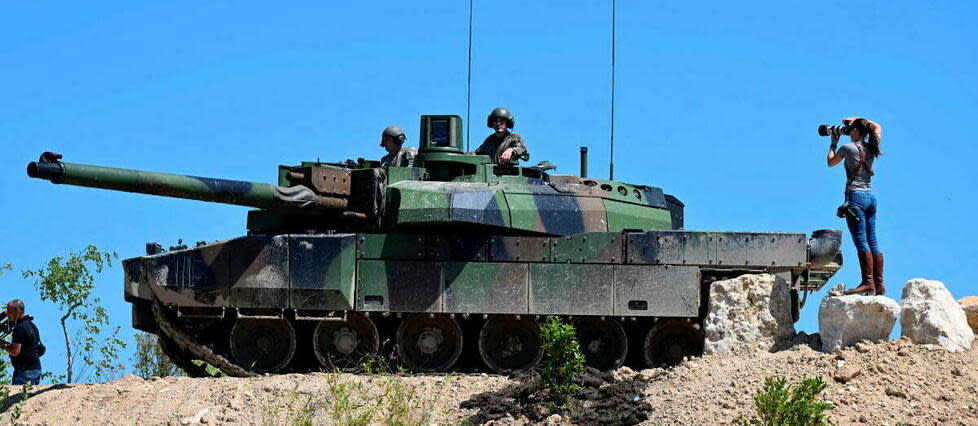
point(251, 194)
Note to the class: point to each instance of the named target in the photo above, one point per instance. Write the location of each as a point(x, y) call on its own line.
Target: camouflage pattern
point(653, 273)
point(496, 143)
point(402, 158)
point(451, 234)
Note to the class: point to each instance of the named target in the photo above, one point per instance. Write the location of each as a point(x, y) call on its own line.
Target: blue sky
point(717, 103)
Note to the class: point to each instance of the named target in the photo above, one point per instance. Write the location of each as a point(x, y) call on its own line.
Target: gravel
point(875, 383)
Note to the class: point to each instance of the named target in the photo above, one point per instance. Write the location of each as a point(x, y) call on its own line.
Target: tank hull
point(463, 284)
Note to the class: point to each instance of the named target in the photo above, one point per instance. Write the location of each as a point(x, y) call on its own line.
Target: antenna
point(611, 165)
point(468, 88)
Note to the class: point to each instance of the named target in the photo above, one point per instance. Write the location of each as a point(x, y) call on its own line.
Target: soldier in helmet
point(391, 139)
point(503, 146)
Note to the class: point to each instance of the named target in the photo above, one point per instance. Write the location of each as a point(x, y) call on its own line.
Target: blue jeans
point(863, 203)
point(24, 376)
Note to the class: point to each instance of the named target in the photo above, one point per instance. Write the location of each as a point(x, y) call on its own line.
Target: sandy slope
point(886, 383)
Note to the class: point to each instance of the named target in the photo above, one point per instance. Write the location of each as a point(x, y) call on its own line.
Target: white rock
point(932, 316)
point(750, 310)
point(845, 320)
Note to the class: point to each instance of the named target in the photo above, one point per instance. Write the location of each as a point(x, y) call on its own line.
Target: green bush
point(780, 404)
point(562, 365)
point(149, 359)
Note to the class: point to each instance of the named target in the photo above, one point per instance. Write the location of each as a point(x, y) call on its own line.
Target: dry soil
point(892, 383)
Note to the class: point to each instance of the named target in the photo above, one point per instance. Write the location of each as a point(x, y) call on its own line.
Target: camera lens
point(825, 130)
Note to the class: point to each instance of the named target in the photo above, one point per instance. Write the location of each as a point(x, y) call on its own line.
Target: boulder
point(748, 311)
point(932, 316)
point(844, 321)
point(970, 306)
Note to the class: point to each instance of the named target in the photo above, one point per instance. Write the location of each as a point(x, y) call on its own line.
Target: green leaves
point(68, 282)
point(779, 404)
point(149, 360)
point(562, 365)
point(209, 369)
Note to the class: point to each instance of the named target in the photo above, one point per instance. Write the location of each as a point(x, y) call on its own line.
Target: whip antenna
point(611, 165)
point(468, 88)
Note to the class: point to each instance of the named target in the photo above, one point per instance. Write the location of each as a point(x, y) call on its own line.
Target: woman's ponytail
point(872, 132)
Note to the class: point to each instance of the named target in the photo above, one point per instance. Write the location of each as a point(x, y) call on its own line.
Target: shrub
point(562, 365)
point(780, 404)
point(149, 359)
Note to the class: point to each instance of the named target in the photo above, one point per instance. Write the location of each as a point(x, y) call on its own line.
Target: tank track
point(181, 359)
point(188, 346)
point(183, 346)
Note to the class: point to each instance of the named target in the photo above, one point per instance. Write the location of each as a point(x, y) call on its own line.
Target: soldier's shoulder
point(410, 149)
point(515, 136)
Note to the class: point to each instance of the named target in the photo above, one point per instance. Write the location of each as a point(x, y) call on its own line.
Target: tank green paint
point(452, 252)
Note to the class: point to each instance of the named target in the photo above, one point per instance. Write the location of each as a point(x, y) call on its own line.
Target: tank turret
point(446, 189)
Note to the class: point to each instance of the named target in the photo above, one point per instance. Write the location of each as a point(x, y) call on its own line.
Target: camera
point(825, 130)
point(846, 211)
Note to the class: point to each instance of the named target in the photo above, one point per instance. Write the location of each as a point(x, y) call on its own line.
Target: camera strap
point(851, 176)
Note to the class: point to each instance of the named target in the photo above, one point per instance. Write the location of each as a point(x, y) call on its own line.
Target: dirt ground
point(886, 383)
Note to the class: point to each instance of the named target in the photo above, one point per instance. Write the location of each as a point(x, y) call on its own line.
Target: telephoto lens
point(825, 130)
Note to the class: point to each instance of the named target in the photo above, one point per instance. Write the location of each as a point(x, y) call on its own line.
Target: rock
point(750, 310)
point(845, 375)
point(623, 373)
point(932, 316)
point(846, 320)
point(970, 306)
point(896, 392)
point(553, 420)
point(196, 418)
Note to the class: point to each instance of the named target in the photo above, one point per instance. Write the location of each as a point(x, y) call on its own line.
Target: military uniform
point(496, 143)
point(403, 158)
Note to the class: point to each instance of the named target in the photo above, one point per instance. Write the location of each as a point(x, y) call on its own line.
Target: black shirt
point(26, 334)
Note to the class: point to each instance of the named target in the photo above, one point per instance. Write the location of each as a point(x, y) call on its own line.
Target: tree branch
point(64, 329)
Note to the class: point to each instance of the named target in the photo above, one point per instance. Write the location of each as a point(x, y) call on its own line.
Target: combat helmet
point(504, 113)
point(395, 132)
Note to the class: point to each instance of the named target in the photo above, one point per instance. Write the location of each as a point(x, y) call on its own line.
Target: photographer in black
point(25, 347)
point(860, 207)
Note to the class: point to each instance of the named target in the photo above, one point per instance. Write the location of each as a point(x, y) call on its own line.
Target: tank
point(449, 265)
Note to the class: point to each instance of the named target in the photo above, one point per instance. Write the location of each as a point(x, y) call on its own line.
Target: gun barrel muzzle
point(54, 172)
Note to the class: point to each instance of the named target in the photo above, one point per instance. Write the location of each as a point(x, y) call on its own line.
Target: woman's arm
point(833, 158)
point(873, 126)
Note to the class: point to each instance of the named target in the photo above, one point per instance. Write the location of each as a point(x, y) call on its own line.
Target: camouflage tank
point(446, 265)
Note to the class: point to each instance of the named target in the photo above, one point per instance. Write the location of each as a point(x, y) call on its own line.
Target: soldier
point(391, 139)
point(504, 147)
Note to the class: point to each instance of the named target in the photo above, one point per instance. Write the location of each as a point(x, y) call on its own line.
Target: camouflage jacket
point(403, 158)
point(494, 146)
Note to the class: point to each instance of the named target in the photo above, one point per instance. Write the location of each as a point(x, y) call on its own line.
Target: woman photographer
point(859, 157)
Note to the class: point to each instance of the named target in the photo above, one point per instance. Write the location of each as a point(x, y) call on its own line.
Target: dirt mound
point(882, 383)
point(605, 398)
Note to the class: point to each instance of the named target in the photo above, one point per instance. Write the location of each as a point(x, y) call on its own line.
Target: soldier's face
point(389, 144)
point(499, 124)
